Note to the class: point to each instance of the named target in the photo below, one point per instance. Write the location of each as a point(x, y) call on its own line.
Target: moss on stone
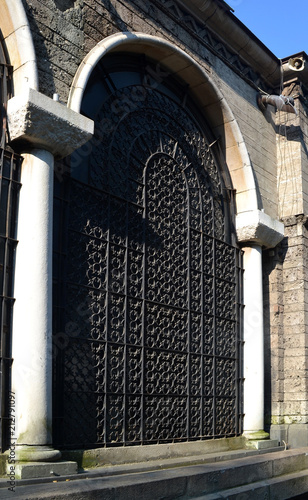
point(256, 435)
point(3, 461)
point(86, 459)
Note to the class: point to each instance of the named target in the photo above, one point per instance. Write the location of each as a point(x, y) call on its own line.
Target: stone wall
point(259, 133)
point(292, 160)
point(64, 31)
point(285, 283)
point(286, 306)
point(273, 332)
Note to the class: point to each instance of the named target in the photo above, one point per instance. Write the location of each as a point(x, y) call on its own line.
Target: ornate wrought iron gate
point(147, 304)
point(10, 167)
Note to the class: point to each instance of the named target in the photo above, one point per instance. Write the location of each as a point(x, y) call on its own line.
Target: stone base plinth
point(26, 453)
point(290, 435)
point(264, 444)
point(31, 470)
point(256, 435)
point(259, 440)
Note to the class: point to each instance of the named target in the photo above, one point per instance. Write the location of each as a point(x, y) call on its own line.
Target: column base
point(259, 440)
point(256, 435)
point(25, 453)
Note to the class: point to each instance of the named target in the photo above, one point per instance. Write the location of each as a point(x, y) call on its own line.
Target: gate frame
point(254, 228)
point(158, 73)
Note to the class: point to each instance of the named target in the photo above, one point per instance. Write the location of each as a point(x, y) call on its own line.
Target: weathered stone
point(38, 470)
point(270, 176)
point(40, 121)
point(257, 227)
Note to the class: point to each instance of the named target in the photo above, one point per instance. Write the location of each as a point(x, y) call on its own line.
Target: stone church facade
point(154, 228)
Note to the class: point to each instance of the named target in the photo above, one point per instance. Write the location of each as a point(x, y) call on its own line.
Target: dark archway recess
point(147, 303)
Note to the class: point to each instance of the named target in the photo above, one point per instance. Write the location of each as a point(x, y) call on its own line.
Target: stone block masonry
point(65, 31)
point(286, 306)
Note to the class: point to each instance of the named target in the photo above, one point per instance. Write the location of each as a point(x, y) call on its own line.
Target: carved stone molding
point(200, 30)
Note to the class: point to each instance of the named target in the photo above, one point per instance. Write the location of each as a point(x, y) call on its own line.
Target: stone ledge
point(144, 453)
point(265, 444)
point(210, 480)
point(35, 120)
point(32, 470)
point(257, 227)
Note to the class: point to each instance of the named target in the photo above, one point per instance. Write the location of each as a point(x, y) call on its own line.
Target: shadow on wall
point(64, 4)
point(273, 260)
point(51, 64)
point(293, 133)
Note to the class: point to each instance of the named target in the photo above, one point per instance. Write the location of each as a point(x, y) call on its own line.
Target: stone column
point(253, 344)
point(255, 230)
point(43, 129)
point(32, 330)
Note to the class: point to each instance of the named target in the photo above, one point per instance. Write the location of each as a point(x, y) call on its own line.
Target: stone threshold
point(118, 455)
point(63, 471)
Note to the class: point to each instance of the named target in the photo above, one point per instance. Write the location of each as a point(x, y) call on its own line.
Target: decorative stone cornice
point(37, 121)
point(257, 227)
point(260, 68)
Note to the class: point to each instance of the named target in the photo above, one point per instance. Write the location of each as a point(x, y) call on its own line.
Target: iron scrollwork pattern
point(151, 284)
point(10, 174)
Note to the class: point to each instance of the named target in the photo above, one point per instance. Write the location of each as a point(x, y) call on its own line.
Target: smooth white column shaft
point(32, 320)
point(254, 340)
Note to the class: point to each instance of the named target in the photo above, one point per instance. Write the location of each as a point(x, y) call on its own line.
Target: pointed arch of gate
point(211, 101)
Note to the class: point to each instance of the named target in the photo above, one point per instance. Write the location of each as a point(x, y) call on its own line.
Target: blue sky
point(280, 24)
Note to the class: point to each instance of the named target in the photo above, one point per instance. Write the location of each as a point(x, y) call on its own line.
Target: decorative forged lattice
point(151, 352)
point(10, 169)
point(183, 17)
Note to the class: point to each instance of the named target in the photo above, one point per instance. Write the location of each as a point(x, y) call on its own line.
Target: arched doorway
point(147, 275)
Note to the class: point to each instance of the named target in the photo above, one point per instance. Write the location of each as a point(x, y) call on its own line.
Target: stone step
point(285, 487)
point(41, 470)
point(280, 471)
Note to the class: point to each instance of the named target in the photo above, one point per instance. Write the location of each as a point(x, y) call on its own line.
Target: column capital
point(35, 120)
point(256, 227)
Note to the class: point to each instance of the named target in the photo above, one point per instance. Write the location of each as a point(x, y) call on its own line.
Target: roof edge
point(221, 20)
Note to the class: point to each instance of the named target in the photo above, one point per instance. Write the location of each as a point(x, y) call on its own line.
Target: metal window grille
point(10, 166)
point(148, 306)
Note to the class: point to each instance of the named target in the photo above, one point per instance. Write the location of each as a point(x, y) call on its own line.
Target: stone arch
point(17, 39)
point(211, 101)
